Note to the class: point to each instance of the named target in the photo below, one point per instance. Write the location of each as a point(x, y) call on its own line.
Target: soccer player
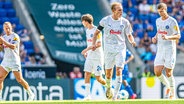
point(115, 28)
point(94, 59)
point(125, 73)
point(167, 36)
point(11, 61)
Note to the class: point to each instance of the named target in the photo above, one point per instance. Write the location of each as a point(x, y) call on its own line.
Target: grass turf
point(136, 101)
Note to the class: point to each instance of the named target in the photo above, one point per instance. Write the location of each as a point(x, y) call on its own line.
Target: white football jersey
point(98, 53)
point(11, 56)
point(166, 27)
point(114, 33)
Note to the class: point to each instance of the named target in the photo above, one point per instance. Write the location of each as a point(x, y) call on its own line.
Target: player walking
point(11, 61)
point(115, 28)
point(167, 36)
point(94, 59)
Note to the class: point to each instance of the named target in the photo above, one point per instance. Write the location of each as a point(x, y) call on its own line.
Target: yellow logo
point(99, 36)
point(15, 39)
point(176, 28)
point(150, 81)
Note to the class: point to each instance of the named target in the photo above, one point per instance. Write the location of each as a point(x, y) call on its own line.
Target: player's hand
point(84, 53)
point(133, 43)
point(154, 40)
point(1, 40)
point(93, 47)
point(165, 37)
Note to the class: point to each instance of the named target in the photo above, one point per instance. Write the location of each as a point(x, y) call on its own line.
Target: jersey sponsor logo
point(90, 40)
point(162, 32)
point(115, 32)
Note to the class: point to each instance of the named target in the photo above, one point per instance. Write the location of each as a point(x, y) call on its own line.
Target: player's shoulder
point(158, 19)
point(106, 17)
point(172, 19)
point(124, 19)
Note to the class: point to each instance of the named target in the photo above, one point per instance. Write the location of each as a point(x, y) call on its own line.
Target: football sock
point(108, 82)
point(172, 84)
point(163, 79)
point(129, 90)
point(29, 91)
point(118, 82)
point(87, 88)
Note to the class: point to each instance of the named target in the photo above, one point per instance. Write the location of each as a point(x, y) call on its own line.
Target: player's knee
point(168, 74)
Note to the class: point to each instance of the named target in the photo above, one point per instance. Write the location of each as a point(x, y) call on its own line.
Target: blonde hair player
point(11, 61)
point(115, 29)
point(167, 36)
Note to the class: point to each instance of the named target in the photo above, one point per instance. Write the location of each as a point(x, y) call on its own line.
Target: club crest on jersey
point(167, 26)
point(91, 35)
point(121, 26)
point(9, 40)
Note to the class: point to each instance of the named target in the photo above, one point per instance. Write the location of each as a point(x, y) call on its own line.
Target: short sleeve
point(128, 28)
point(15, 40)
point(175, 27)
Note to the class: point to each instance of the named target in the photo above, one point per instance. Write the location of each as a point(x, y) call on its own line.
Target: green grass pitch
point(136, 101)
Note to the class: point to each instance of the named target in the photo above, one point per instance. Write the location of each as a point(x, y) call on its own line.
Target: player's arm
point(131, 40)
point(100, 28)
point(172, 37)
point(11, 46)
point(129, 59)
point(154, 39)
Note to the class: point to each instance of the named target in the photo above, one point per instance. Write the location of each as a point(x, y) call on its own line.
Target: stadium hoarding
point(60, 23)
point(44, 89)
point(37, 72)
point(97, 90)
point(151, 88)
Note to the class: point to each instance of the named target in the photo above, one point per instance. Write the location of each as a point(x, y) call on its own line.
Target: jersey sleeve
point(15, 40)
point(128, 29)
point(175, 28)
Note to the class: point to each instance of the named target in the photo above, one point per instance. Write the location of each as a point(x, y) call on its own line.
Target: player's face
point(162, 12)
point(7, 28)
point(84, 23)
point(118, 11)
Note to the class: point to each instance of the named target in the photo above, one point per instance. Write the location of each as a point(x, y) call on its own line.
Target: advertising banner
point(151, 88)
point(44, 89)
point(60, 23)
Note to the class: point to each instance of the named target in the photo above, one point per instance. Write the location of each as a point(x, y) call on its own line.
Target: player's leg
point(169, 74)
point(158, 72)
point(119, 60)
point(3, 74)
point(20, 80)
point(169, 67)
point(99, 71)
point(87, 77)
point(109, 64)
point(118, 82)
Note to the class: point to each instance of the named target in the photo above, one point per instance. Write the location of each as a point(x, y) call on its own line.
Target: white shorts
point(11, 67)
point(112, 59)
point(165, 58)
point(94, 66)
